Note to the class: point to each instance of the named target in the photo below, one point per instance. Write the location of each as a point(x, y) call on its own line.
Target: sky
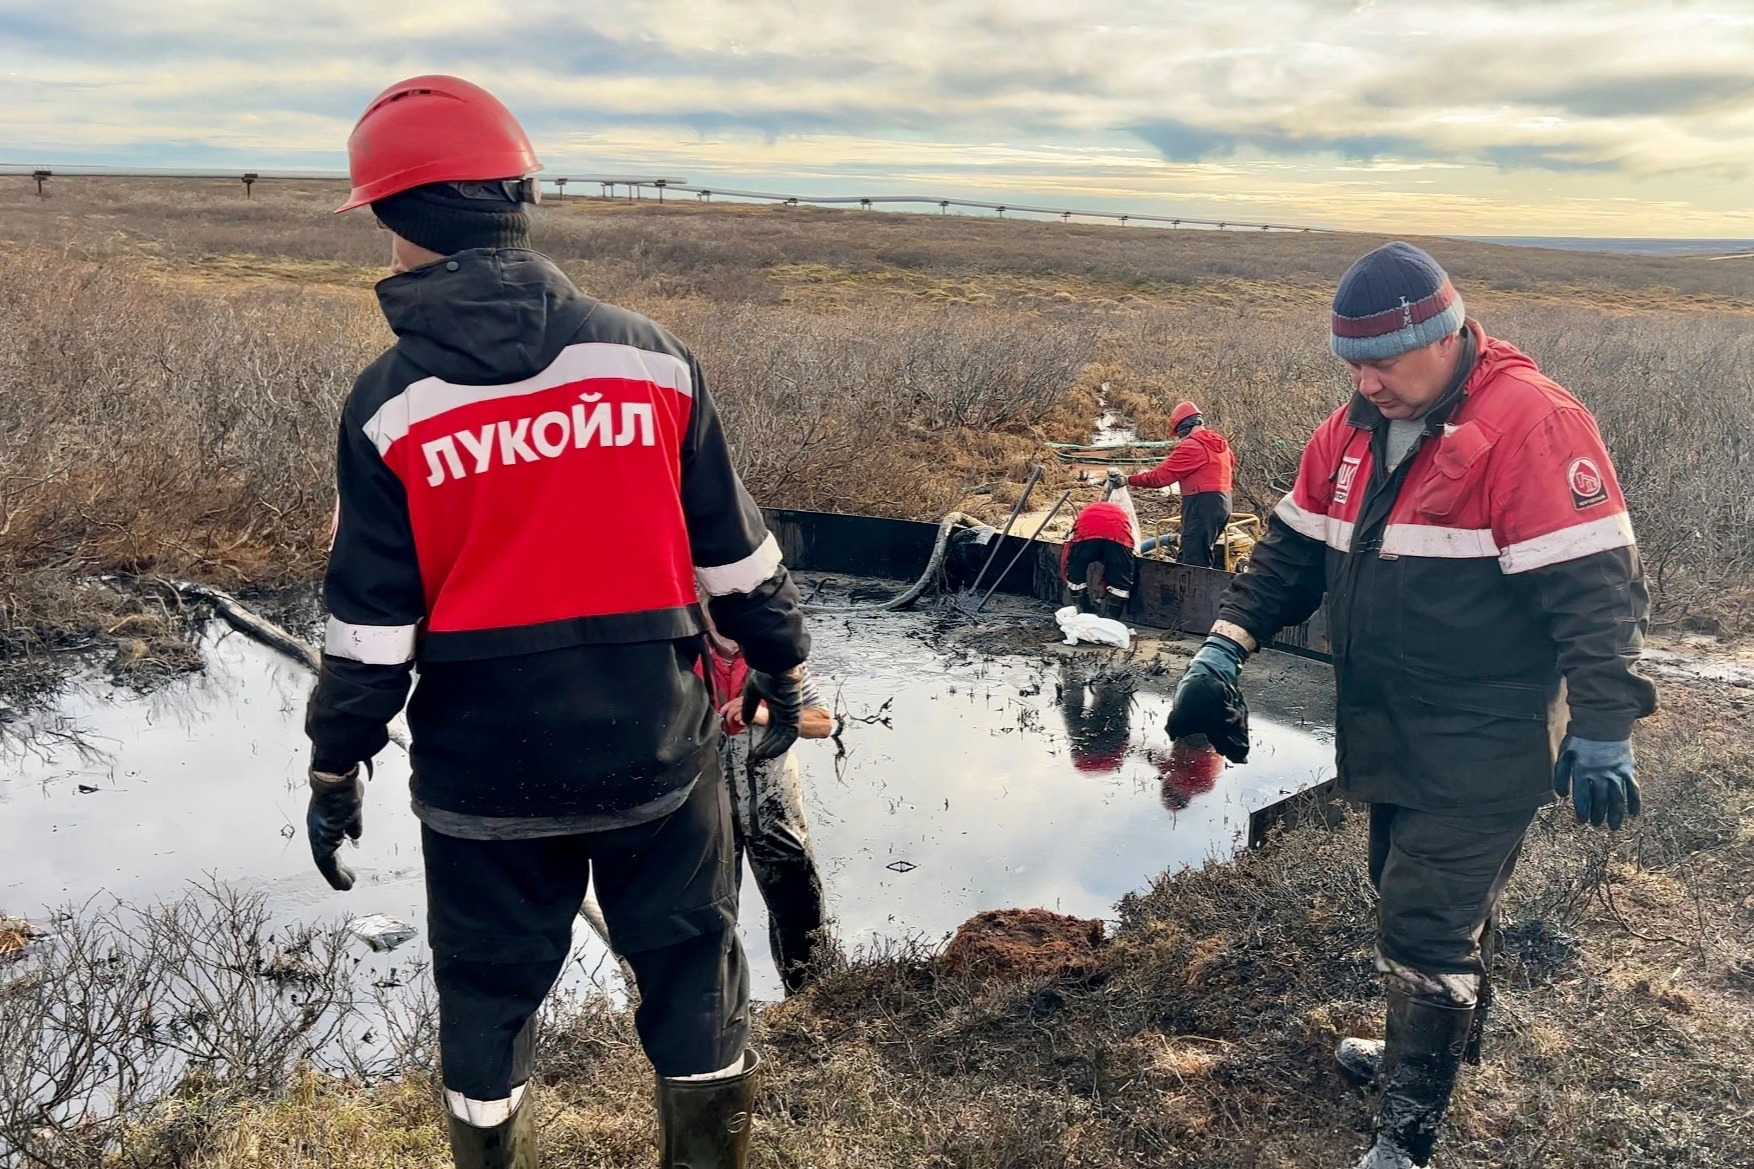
point(1488, 117)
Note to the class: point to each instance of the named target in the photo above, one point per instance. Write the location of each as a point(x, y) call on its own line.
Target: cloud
point(1669, 94)
point(1180, 142)
point(1387, 97)
point(1545, 158)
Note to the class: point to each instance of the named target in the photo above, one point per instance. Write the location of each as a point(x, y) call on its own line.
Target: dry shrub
point(1265, 382)
point(125, 1008)
point(1673, 393)
point(850, 411)
point(942, 369)
point(858, 406)
point(182, 433)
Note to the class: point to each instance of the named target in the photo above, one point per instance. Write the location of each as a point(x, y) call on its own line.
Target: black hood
point(484, 317)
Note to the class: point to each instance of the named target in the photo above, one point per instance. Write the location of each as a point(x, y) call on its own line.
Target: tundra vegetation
point(173, 357)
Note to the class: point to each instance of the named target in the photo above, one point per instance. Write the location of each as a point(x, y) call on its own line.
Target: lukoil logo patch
point(1588, 485)
point(1344, 478)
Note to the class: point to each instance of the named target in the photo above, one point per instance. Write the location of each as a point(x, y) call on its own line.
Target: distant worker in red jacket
point(1097, 561)
point(1205, 466)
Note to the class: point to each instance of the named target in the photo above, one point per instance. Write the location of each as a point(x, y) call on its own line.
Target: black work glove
point(337, 809)
point(1605, 780)
point(1208, 702)
point(784, 695)
point(1115, 481)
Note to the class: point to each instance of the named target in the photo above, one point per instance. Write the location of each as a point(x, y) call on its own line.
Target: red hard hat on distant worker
point(433, 129)
point(1182, 413)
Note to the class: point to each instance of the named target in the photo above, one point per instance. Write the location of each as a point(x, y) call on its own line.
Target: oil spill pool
point(965, 792)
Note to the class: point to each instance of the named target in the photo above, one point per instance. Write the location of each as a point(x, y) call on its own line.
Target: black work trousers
point(767, 809)
point(1117, 562)
point(1439, 877)
point(1204, 518)
point(500, 916)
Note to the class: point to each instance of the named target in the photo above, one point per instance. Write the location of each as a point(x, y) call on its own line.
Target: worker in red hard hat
point(530, 481)
point(1205, 467)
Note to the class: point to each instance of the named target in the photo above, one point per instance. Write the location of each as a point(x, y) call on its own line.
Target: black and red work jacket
point(1483, 598)
point(530, 484)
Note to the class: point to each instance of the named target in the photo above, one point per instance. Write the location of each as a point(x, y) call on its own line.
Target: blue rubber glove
point(337, 809)
point(1208, 702)
point(1600, 779)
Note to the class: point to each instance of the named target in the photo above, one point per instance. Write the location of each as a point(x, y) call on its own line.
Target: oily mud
point(971, 773)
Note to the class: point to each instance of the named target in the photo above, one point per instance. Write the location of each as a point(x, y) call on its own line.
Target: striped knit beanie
point(1394, 300)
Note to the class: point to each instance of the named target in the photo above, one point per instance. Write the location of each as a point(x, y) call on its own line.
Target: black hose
point(939, 548)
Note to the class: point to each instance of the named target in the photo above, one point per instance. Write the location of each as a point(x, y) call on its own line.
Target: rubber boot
point(1112, 606)
point(704, 1124)
point(510, 1144)
point(1422, 1054)
point(1361, 1059)
point(1483, 1004)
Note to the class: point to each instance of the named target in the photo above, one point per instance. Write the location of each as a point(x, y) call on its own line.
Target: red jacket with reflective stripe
point(1477, 598)
point(530, 484)
point(1201, 462)
point(1518, 475)
point(515, 491)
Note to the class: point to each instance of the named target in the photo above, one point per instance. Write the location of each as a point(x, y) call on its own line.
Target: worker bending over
point(530, 481)
point(1205, 467)
point(1486, 609)
point(767, 813)
point(1096, 561)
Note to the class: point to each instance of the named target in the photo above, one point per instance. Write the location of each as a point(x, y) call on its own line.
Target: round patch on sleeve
point(1588, 485)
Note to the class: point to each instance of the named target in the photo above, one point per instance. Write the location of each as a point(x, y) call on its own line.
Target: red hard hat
point(433, 129)
point(1182, 413)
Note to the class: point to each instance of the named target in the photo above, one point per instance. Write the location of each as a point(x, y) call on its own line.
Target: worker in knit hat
point(1460, 520)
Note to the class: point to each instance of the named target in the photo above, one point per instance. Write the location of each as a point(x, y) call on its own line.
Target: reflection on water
point(1013, 780)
